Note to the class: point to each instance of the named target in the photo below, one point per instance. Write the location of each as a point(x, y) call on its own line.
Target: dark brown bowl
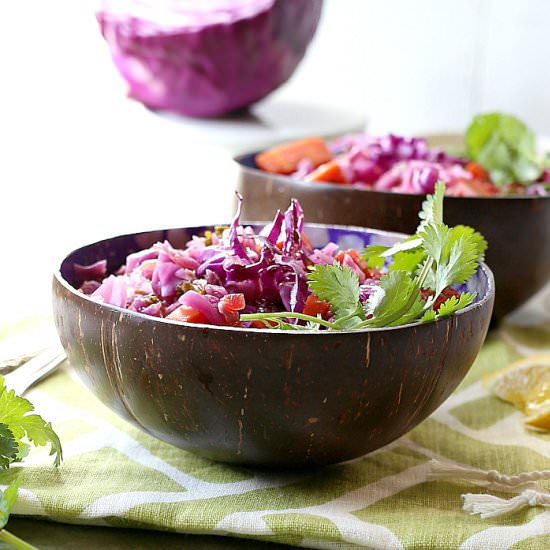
point(516, 228)
point(264, 397)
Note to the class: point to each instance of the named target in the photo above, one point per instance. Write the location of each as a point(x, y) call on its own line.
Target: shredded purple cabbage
point(92, 272)
point(400, 164)
point(221, 274)
point(364, 158)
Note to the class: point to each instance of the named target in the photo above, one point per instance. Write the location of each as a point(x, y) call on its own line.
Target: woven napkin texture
point(114, 474)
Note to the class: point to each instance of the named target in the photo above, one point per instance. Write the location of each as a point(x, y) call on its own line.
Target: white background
point(79, 162)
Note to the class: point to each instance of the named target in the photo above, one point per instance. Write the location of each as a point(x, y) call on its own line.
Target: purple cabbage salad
point(397, 163)
point(235, 276)
point(224, 273)
point(501, 158)
point(402, 164)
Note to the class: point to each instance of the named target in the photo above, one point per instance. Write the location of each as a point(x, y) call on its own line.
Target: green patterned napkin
point(114, 474)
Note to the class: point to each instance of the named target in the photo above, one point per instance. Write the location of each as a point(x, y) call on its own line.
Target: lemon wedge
point(525, 384)
point(541, 417)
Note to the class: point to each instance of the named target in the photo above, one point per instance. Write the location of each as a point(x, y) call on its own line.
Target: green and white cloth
point(114, 474)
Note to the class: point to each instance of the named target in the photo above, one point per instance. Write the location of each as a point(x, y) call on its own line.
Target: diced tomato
point(308, 247)
point(284, 159)
point(477, 171)
point(233, 302)
point(426, 293)
point(516, 188)
point(444, 296)
point(355, 256)
point(314, 306)
point(472, 188)
point(373, 273)
point(329, 172)
point(187, 314)
point(230, 305)
point(447, 293)
point(485, 187)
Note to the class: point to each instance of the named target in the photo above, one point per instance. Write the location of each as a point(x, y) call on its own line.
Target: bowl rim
point(59, 279)
point(239, 160)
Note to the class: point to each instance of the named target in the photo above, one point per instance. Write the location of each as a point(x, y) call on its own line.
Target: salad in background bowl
point(500, 189)
point(276, 384)
point(500, 159)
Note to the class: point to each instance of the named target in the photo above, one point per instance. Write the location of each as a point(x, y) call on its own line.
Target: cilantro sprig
point(505, 147)
point(16, 418)
point(436, 257)
point(19, 429)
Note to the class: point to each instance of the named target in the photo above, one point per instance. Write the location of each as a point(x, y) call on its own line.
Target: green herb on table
point(414, 287)
point(505, 147)
point(18, 430)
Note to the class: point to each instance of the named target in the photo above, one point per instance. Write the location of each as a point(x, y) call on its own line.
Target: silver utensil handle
point(34, 370)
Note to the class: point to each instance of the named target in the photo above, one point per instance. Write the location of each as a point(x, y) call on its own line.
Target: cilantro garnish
point(340, 288)
point(14, 415)
point(396, 301)
point(7, 500)
point(454, 304)
point(505, 147)
point(433, 259)
point(373, 256)
point(19, 429)
point(9, 449)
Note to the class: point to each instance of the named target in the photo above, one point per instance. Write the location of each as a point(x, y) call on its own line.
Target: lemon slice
point(541, 417)
point(525, 384)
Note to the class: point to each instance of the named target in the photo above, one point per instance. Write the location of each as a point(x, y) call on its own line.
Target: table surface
point(54, 536)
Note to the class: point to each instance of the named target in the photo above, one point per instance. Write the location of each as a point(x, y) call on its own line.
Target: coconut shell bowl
point(265, 397)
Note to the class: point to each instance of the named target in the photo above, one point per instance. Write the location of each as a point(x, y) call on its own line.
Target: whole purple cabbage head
point(209, 57)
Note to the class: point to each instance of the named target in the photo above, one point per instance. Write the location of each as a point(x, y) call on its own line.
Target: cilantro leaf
point(8, 447)
point(429, 315)
point(432, 207)
point(473, 236)
point(14, 413)
point(411, 243)
point(7, 500)
point(455, 252)
point(394, 298)
point(505, 147)
point(408, 260)
point(448, 307)
point(435, 239)
point(372, 255)
point(453, 304)
point(15, 424)
point(338, 286)
point(412, 315)
point(281, 324)
point(431, 213)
